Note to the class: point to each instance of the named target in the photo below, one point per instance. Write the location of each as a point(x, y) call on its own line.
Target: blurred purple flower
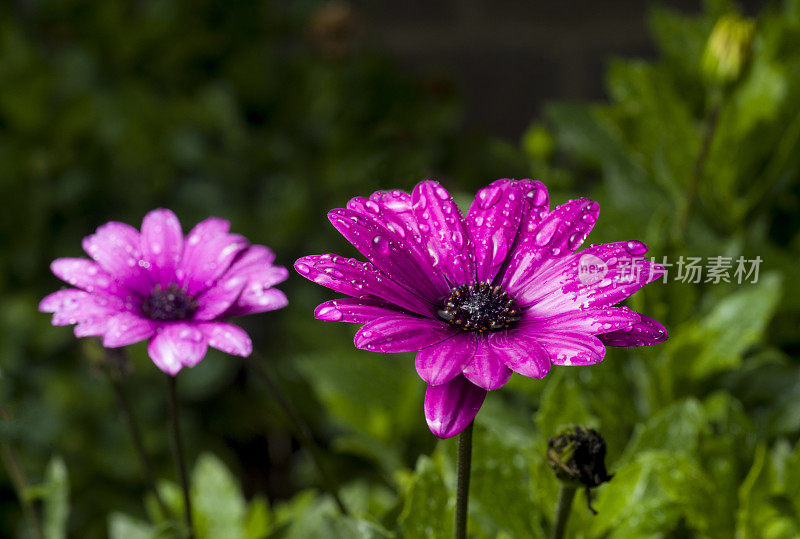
point(157, 285)
point(480, 297)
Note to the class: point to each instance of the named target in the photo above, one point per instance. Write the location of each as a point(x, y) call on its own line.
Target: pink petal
point(594, 321)
point(87, 275)
point(487, 369)
point(116, 247)
point(73, 306)
point(358, 311)
point(227, 338)
point(561, 232)
point(568, 347)
point(451, 407)
point(127, 328)
point(360, 280)
point(441, 362)
point(217, 299)
point(177, 345)
point(256, 298)
point(493, 220)
point(255, 265)
point(207, 254)
point(444, 232)
point(520, 353)
point(562, 285)
point(401, 333)
point(162, 244)
point(388, 251)
point(644, 333)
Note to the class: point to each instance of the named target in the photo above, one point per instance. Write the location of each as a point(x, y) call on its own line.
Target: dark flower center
point(170, 303)
point(479, 307)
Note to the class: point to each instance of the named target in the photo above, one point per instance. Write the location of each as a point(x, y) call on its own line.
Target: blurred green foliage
point(252, 111)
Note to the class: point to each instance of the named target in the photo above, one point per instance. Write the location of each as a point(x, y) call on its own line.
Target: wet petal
point(594, 321)
point(219, 298)
point(127, 328)
point(520, 353)
point(207, 254)
point(228, 338)
point(388, 251)
point(255, 265)
point(444, 232)
point(644, 333)
point(451, 407)
point(73, 306)
point(87, 275)
point(358, 311)
point(162, 245)
point(493, 220)
point(569, 347)
point(488, 368)
point(117, 248)
point(561, 232)
point(441, 362)
point(359, 279)
point(401, 333)
point(257, 299)
point(177, 345)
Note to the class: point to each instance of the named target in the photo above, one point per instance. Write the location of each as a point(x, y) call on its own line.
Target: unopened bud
point(577, 456)
point(728, 49)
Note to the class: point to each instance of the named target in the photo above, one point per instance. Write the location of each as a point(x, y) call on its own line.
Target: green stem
point(19, 483)
point(464, 466)
point(565, 497)
point(177, 447)
point(301, 428)
point(115, 376)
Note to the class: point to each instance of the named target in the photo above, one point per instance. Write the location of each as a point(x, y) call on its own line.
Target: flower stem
point(565, 497)
point(19, 483)
point(177, 447)
point(462, 488)
point(115, 376)
point(301, 429)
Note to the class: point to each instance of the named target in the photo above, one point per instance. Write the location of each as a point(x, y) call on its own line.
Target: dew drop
point(488, 196)
point(303, 268)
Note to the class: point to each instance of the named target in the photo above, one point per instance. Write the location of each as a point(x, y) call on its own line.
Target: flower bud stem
point(565, 497)
point(177, 450)
point(462, 488)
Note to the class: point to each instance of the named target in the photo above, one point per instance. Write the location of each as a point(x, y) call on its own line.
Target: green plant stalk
point(301, 429)
point(464, 466)
point(177, 449)
point(115, 376)
point(565, 497)
point(19, 483)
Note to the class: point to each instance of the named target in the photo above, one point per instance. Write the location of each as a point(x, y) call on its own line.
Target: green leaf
point(562, 404)
point(56, 499)
point(121, 526)
point(675, 429)
point(427, 511)
point(258, 518)
point(218, 505)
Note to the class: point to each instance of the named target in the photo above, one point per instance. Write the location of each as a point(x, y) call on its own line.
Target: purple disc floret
point(175, 291)
point(501, 290)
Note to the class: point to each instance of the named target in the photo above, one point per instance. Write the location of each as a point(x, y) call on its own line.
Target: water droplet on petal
point(303, 268)
point(636, 248)
point(488, 196)
point(381, 244)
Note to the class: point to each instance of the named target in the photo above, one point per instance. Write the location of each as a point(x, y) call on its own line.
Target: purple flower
point(172, 290)
point(480, 297)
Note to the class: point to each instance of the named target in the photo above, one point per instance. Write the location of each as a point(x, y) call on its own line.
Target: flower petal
point(359, 279)
point(560, 232)
point(162, 245)
point(73, 306)
point(520, 353)
point(358, 311)
point(444, 232)
point(569, 347)
point(255, 264)
point(217, 299)
point(401, 333)
point(227, 338)
point(441, 362)
point(594, 321)
point(487, 369)
point(451, 407)
point(87, 275)
point(127, 328)
point(176, 346)
point(117, 248)
point(644, 333)
point(620, 269)
point(388, 251)
point(207, 254)
point(257, 299)
point(493, 221)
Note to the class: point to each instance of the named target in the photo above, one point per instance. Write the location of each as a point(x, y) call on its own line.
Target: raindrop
point(488, 196)
point(303, 268)
point(381, 244)
point(636, 248)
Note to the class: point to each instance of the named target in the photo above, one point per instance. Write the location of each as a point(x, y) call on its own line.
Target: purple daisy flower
point(157, 285)
point(480, 297)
